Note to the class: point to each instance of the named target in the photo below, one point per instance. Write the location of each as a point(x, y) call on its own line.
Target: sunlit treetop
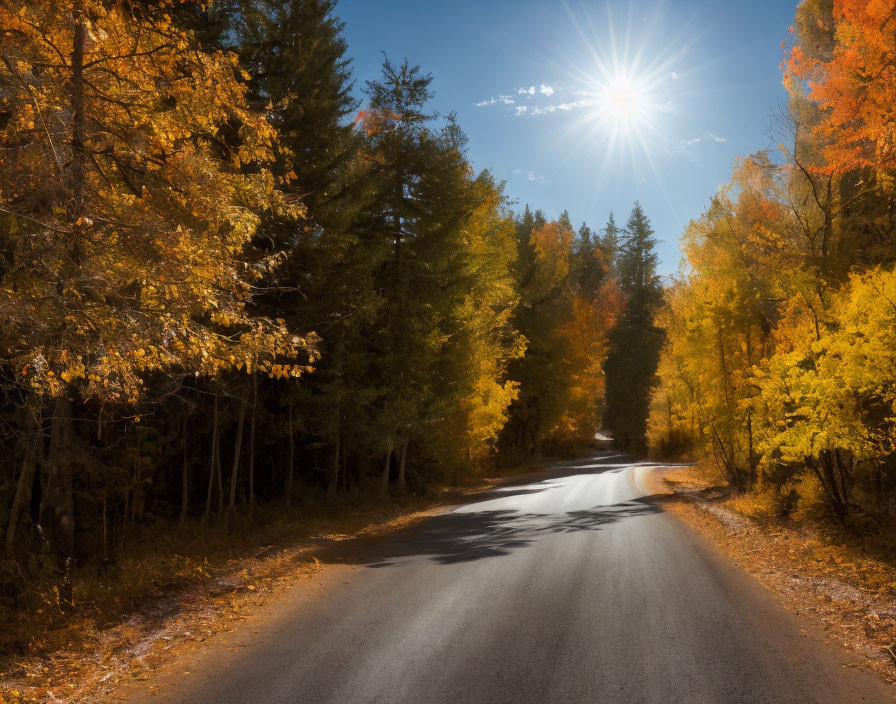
point(853, 82)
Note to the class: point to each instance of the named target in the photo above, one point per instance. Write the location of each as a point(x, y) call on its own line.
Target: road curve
point(572, 587)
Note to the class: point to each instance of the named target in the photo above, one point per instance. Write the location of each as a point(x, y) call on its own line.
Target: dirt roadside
point(851, 596)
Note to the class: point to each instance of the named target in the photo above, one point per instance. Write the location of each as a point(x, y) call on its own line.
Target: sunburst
point(627, 90)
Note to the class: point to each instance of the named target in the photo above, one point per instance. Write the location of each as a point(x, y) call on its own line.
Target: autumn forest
point(231, 290)
point(236, 286)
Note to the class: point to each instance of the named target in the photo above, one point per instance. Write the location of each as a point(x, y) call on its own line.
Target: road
point(572, 587)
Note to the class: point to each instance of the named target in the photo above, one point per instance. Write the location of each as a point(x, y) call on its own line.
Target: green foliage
point(635, 341)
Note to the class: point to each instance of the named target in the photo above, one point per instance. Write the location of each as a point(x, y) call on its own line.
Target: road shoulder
point(851, 599)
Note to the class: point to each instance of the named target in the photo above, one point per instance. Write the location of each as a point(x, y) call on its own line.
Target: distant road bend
point(572, 587)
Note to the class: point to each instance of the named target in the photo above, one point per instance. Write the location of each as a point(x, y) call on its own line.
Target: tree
point(295, 56)
point(568, 304)
point(635, 341)
point(853, 82)
point(126, 260)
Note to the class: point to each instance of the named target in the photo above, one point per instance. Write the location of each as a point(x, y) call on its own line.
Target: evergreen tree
point(590, 264)
point(635, 342)
point(425, 202)
point(609, 239)
point(294, 53)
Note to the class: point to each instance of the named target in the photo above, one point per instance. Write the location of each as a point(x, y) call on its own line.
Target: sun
point(624, 101)
point(629, 78)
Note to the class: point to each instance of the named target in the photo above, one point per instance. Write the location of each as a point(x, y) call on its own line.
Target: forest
point(781, 326)
point(232, 289)
point(241, 290)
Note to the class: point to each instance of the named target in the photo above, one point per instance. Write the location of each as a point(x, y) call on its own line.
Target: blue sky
point(704, 75)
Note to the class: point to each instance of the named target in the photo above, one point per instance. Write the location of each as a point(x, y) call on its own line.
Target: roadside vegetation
point(778, 373)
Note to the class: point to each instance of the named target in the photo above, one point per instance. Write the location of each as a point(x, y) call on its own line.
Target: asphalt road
point(574, 587)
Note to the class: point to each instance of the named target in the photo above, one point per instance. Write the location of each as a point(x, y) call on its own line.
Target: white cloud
point(548, 109)
point(505, 99)
point(535, 178)
point(535, 108)
point(517, 171)
point(684, 145)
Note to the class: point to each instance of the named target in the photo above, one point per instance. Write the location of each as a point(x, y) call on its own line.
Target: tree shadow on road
point(475, 535)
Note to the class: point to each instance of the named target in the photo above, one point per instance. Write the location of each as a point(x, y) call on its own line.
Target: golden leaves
point(152, 277)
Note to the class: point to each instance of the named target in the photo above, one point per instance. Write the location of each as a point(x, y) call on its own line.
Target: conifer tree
point(635, 341)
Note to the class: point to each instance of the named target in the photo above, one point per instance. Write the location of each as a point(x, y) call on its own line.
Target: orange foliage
point(585, 345)
point(375, 121)
point(855, 88)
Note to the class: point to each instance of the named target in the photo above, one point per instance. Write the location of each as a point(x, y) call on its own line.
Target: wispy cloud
point(502, 99)
point(685, 146)
point(545, 89)
point(531, 176)
point(535, 110)
point(539, 104)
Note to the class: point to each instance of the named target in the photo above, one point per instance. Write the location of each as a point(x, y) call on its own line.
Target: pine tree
point(635, 342)
point(609, 239)
point(295, 55)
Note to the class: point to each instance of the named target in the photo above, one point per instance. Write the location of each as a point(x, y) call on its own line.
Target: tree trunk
point(402, 484)
point(824, 471)
point(136, 490)
point(219, 473)
point(213, 455)
point(384, 485)
point(58, 497)
point(845, 475)
point(184, 478)
point(333, 467)
point(751, 454)
point(79, 154)
point(26, 478)
point(237, 449)
point(292, 460)
point(252, 445)
point(105, 528)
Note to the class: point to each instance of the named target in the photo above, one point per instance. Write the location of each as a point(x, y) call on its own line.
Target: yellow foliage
point(125, 253)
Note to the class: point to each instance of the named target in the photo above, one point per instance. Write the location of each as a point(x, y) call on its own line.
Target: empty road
point(572, 587)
